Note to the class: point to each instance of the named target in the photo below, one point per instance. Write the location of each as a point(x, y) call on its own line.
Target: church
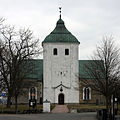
point(55, 78)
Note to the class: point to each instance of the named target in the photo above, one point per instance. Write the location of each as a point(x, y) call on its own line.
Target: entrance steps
point(60, 109)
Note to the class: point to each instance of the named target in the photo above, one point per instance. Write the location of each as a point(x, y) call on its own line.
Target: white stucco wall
point(53, 65)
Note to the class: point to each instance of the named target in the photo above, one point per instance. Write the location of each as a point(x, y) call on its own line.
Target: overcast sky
point(88, 20)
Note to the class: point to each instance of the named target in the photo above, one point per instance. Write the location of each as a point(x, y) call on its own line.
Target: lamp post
point(112, 107)
point(116, 106)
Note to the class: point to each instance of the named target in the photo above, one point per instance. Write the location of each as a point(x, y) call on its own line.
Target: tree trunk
point(107, 106)
point(16, 104)
point(8, 101)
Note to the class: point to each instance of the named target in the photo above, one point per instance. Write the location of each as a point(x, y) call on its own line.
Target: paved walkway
point(67, 116)
point(60, 109)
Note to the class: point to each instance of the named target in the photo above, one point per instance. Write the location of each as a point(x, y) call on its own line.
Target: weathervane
point(60, 11)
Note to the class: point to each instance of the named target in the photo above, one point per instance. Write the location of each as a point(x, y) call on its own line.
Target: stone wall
point(24, 96)
point(95, 97)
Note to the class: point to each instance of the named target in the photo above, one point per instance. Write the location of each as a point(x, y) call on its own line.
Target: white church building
point(60, 66)
point(55, 77)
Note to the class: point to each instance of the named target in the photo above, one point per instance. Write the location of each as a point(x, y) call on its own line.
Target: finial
point(60, 11)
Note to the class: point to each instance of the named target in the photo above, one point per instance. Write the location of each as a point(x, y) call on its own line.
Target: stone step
point(60, 109)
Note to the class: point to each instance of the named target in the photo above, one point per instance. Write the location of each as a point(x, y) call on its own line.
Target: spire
point(60, 33)
point(60, 11)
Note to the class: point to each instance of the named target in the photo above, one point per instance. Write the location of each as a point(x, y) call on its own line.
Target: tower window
point(66, 51)
point(55, 51)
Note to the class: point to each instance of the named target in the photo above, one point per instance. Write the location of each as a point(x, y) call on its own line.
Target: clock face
point(61, 75)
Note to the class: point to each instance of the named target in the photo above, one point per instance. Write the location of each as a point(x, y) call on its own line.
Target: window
point(33, 93)
point(66, 51)
point(55, 51)
point(86, 93)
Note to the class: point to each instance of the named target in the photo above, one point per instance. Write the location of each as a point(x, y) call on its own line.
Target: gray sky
point(88, 20)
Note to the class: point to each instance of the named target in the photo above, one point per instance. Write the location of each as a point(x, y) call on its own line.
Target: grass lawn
point(80, 107)
point(85, 106)
point(20, 108)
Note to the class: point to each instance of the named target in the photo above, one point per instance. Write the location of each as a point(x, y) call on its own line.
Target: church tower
point(60, 66)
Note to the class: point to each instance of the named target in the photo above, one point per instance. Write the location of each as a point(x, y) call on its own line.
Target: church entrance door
point(61, 99)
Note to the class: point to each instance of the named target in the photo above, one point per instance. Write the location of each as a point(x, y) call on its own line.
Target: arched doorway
point(61, 99)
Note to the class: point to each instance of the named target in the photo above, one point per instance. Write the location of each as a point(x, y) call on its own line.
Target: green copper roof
point(60, 34)
point(84, 73)
point(36, 69)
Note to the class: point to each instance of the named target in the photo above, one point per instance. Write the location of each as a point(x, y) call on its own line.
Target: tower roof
point(60, 34)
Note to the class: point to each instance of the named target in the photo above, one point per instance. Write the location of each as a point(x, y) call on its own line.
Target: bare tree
point(2, 83)
point(103, 70)
point(16, 49)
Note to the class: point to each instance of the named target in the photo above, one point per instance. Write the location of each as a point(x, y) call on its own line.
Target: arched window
point(55, 51)
point(86, 93)
point(33, 93)
point(66, 51)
